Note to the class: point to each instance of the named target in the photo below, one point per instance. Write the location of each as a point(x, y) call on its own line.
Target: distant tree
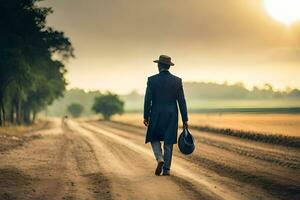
point(85, 98)
point(75, 109)
point(268, 87)
point(295, 93)
point(108, 105)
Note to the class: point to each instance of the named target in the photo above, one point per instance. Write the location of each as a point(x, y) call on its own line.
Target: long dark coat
point(163, 92)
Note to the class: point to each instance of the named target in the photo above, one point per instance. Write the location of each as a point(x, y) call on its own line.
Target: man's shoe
point(166, 173)
point(159, 167)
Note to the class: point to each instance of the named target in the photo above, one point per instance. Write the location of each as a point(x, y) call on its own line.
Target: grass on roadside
point(278, 139)
point(14, 130)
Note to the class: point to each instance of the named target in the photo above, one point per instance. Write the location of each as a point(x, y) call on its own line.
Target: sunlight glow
point(285, 11)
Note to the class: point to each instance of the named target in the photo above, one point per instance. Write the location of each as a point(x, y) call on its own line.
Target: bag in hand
point(186, 142)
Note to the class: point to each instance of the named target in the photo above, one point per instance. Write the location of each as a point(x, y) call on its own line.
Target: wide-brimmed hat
point(186, 142)
point(164, 60)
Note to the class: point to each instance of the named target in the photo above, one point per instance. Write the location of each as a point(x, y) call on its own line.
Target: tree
point(30, 77)
point(108, 105)
point(75, 109)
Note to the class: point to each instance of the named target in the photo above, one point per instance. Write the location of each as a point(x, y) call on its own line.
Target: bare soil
point(106, 160)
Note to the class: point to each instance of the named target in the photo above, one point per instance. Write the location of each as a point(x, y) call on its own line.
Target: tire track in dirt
point(289, 162)
point(212, 185)
point(54, 165)
point(123, 152)
point(91, 176)
point(286, 157)
point(192, 189)
point(283, 190)
point(69, 178)
point(129, 172)
point(219, 179)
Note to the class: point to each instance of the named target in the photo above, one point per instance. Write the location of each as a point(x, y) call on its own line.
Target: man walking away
point(163, 92)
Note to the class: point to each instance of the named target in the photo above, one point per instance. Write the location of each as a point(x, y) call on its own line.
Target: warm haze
point(248, 41)
point(78, 122)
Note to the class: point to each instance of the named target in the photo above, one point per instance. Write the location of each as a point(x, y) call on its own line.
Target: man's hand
point(146, 122)
point(185, 125)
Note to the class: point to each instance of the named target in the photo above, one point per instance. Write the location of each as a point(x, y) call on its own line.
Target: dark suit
point(163, 92)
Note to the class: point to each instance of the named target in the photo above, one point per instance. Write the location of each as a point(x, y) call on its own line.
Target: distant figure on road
point(163, 92)
point(64, 119)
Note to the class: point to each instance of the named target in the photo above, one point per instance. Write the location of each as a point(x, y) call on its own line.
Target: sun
point(285, 11)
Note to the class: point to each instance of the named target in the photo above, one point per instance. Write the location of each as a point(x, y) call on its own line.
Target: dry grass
point(284, 140)
point(281, 129)
point(284, 124)
point(13, 130)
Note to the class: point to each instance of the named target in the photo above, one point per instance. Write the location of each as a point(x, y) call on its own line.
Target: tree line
point(203, 90)
point(194, 91)
point(30, 77)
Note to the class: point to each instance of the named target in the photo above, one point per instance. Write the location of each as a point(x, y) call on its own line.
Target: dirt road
point(105, 160)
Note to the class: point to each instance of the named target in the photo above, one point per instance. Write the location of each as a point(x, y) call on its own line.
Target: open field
point(106, 160)
point(285, 124)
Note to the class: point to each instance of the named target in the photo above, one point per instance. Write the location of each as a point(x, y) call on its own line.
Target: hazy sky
point(209, 40)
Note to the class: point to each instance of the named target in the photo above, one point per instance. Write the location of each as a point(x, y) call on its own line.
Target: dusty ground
point(105, 160)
